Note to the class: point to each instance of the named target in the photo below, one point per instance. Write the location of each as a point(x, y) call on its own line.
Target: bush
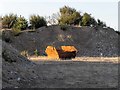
point(37, 21)
point(101, 23)
point(36, 53)
point(9, 20)
point(85, 19)
point(68, 16)
point(63, 27)
point(21, 23)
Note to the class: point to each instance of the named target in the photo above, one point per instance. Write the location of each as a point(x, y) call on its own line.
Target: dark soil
point(19, 72)
point(88, 40)
point(68, 74)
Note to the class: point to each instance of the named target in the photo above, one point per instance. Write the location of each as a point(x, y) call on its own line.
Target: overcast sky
point(105, 10)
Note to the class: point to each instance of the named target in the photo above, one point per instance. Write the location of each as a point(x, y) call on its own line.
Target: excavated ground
point(19, 72)
point(89, 41)
point(84, 72)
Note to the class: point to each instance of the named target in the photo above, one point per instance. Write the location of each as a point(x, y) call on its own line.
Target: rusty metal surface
point(64, 52)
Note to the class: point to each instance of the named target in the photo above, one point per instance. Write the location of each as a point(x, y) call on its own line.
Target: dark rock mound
point(17, 71)
point(89, 41)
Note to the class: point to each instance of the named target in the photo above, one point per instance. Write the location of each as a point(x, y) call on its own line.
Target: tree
point(92, 21)
point(9, 20)
point(21, 23)
point(37, 21)
point(86, 19)
point(68, 15)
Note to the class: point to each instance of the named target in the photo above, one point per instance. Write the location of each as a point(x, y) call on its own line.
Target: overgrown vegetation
point(21, 23)
point(68, 15)
point(9, 20)
point(85, 19)
point(12, 21)
point(37, 21)
point(65, 16)
point(36, 53)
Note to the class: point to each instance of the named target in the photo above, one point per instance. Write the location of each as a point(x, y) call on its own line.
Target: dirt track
point(77, 74)
point(88, 59)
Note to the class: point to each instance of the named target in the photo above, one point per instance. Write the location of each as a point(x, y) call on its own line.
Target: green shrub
point(9, 20)
point(37, 21)
point(68, 15)
point(85, 19)
point(21, 23)
point(36, 53)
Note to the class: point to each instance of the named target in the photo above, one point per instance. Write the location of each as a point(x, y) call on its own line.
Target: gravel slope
point(89, 41)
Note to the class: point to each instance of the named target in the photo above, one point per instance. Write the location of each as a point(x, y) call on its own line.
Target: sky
point(105, 10)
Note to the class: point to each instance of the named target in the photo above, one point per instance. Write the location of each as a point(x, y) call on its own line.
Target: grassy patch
point(24, 53)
